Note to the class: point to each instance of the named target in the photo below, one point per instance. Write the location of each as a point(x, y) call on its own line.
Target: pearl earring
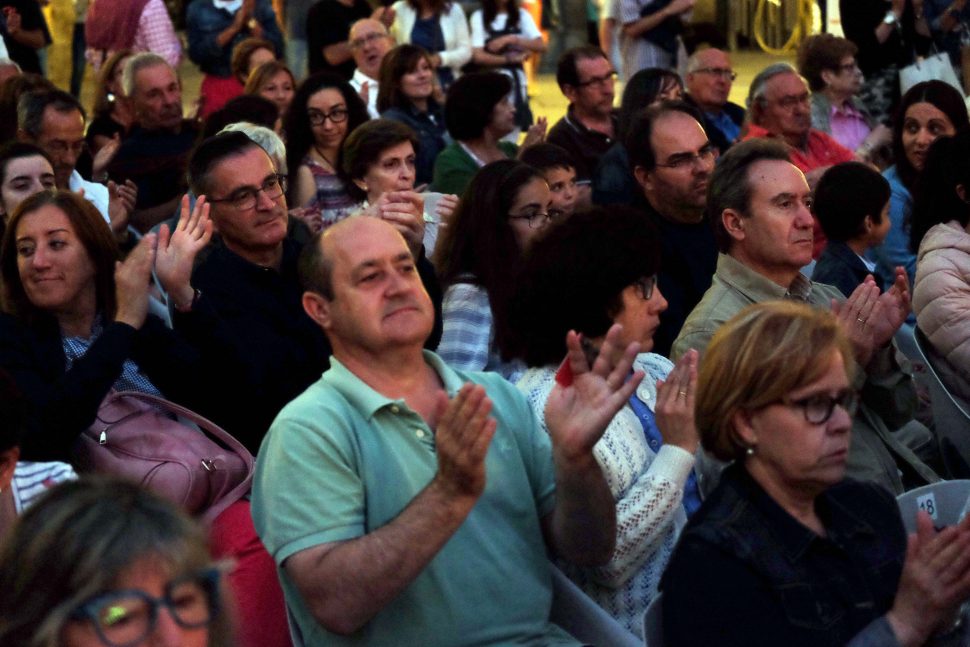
point(749, 451)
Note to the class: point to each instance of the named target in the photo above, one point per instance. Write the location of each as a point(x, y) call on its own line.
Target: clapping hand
point(857, 316)
point(577, 414)
point(177, 250)
point(132, 277)
point(404, 210)
point(675, 404)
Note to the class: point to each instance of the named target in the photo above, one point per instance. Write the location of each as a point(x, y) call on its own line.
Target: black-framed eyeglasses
point(537, 219)
point(126, 617)
point(246, 198)
point(609, 79)
point(337, 116)
point(681, 161)
point(722, 72)
point(849, 67)
point(818, 408)
point(789, 102)
point(646, 285)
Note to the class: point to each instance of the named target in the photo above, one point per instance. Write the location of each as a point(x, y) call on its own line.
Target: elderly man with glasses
point(780, 105)
point(708, 81)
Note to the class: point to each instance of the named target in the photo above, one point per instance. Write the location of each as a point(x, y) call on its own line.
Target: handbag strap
point(211, 429)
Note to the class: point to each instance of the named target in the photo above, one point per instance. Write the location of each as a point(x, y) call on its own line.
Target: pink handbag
point(137, 436)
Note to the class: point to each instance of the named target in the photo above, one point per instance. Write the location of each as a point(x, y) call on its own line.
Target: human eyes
point(911, 127)
point(57, 244)
point(47, 183)
point(937, 128)
point(410, 160)
point(390, 164)
point(25, 250)
point(20, 185)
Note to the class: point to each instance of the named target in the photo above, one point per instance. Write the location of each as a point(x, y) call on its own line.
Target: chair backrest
point(944, 501)
point(585, 620)
point(952, 423)
point(653, 628)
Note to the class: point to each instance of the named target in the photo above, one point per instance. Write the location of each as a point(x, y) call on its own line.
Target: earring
point(749, 451)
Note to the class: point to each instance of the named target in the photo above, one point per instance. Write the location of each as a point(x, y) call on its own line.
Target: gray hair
point(31, 107)
point(756, 94)
point(268, 140)
point(136, 64)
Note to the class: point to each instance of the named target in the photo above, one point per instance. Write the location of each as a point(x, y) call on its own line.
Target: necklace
point(326, 159)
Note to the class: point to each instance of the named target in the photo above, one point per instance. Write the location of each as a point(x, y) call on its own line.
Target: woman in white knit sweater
point(440, 27)
point(596, 269)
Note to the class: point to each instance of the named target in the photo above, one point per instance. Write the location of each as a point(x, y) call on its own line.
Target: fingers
point(614, 361)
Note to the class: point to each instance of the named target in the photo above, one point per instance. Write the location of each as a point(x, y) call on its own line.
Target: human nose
point(263, 201)
point(803, 217)
point(659, 301)
point(40, 259)
point(840, 421)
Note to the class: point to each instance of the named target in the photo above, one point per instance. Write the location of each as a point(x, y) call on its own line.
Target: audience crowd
point(663, 348)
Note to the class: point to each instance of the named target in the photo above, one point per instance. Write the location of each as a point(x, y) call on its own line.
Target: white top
point(96, 194)
point(527, 29)
point(648, 488)
point(357, 81)
point(31, 480)
point(454, 28)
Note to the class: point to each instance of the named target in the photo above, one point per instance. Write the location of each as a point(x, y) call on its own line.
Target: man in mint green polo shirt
point(406, 503)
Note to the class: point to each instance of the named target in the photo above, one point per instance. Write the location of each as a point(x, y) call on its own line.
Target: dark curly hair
point(470, 102)
point(573, 277)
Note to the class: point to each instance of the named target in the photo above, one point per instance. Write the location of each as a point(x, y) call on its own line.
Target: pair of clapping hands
point(586, 397)
point(171, 254)
point(870, 318)
point(405, 211)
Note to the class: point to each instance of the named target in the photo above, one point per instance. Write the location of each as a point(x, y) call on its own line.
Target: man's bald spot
point(319, 258)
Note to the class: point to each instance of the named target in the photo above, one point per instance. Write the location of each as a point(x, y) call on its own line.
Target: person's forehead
point(249, 168)
point(587, 67)
point(29, 165)
point(53, 119)
point(785, 84)
point(714, 58)
point(154, 76)
point(770, 178)
point(676, 131)
point(366, 28)
point(325, 98)
point(360, 241)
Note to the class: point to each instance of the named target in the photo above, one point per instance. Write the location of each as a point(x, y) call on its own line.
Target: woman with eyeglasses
point(596, 269)
point(829, 65)
point(102, 562)
point(786, 550)
point(506, 207)
point(323, 112)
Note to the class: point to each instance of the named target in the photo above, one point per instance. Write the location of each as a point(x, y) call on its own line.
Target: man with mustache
point(780, 105)
point(759, 203)
point(672, 160)
point(407, 503)
point(156, 150)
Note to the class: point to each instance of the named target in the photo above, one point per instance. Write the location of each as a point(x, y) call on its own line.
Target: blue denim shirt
point(205, 22)
point(747, 573)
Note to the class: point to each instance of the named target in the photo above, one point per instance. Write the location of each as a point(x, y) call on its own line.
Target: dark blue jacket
point(839, 266)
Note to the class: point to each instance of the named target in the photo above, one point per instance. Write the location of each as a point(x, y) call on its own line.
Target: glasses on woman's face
point(337, 116)
point(818, 408)
point(127, 617)
point(537, 219)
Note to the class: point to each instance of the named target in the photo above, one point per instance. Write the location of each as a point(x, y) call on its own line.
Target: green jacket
point(454, 168)
point(888, 396)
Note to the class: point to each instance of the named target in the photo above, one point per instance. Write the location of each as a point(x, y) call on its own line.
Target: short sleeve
point(527, 26)
point(478, 29)
point(307, 490)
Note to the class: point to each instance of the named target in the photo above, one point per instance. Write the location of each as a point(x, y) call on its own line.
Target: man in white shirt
point(54, 121)
point(369, 42)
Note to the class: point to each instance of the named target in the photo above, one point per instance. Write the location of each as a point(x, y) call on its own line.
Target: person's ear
point(827, 76)
point(8, 462)
point(643, 178)
point(962, 192)
point(744, 431)
point(317, 308)
point(571, 92)
point(733, 222)
point(360, 184)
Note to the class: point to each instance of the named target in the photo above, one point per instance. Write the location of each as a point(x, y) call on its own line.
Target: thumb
point(112, 188)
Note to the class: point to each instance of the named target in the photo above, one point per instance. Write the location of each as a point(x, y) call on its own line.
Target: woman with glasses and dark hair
point(407, 94)
point(323, 112)
point(786, 550)
point(102, 562)
point(505, 208)
point(596, 269)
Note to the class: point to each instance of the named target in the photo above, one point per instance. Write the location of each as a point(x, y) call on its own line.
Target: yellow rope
point(802, 28)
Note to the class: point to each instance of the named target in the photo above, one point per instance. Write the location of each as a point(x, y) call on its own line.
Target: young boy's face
point(562, 187)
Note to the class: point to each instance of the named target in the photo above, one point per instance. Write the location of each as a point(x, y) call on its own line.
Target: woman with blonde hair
point(786, 550)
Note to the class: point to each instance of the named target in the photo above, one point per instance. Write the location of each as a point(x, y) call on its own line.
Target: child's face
point(880, 229)
point(562, 187)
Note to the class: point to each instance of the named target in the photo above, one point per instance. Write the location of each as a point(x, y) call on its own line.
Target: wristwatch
point(890, 18)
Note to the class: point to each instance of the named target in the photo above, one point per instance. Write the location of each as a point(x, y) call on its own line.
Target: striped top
point(31, 480)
